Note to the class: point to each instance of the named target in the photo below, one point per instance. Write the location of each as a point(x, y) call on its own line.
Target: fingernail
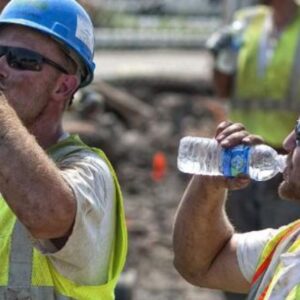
point(224, 143)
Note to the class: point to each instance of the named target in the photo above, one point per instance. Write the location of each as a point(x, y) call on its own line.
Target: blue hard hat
point(64, 20)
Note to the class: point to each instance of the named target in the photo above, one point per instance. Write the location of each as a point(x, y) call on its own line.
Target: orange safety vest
point(265, 280)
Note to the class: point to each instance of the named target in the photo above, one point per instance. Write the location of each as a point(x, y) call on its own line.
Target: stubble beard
point(41, 98)
point(289, 191)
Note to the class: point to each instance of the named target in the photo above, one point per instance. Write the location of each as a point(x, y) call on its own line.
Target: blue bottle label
point(235, 161)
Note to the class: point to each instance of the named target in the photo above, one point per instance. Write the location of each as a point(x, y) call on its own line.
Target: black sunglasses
point(297, 133)
point(27, 60)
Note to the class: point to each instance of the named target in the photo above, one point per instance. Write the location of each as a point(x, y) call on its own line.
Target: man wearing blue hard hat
point(62, 225)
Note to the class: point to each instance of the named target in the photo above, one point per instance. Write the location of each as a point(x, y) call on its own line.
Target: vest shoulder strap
point(274, 248)
point(66, 147)
point(253, 12)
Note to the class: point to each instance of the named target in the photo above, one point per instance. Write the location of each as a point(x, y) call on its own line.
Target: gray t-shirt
point(249, 248)
point(85, 256)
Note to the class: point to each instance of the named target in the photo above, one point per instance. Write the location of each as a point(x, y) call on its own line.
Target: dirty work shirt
point(249, 247)
point(85, 256)
point(251, 244)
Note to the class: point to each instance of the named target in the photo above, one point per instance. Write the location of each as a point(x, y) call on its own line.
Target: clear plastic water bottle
point(205, 156)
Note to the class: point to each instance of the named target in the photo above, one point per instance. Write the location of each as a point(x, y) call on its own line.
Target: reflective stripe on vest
point(34, 293)
point(266, 104)
point(20, 270)
point(264, 279)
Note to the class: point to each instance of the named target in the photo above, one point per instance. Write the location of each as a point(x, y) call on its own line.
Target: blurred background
point(152, 86)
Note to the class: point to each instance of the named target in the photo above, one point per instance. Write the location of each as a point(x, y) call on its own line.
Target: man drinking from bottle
point(209, 253)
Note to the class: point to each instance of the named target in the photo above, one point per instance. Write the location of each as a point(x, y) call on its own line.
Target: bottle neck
point(281, 162)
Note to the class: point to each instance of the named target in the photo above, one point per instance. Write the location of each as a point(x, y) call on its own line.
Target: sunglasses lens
point(27, 60)
point(23, 59)
point(3, 50)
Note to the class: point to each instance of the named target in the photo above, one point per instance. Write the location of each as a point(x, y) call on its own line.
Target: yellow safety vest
point(27, 274)
point(265, 281)
point(261, 102)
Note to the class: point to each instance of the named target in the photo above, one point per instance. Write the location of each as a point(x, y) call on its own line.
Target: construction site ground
point(175, 86)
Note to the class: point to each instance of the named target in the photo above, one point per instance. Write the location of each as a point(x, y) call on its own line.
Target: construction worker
point(208, 251)
point(62, 222)
point(257, 67)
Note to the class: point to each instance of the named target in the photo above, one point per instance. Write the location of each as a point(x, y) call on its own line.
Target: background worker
point(61, 213)
point(257, 67)
point(208, 251)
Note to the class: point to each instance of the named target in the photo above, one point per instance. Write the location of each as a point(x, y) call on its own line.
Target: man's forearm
point(30, 182)
point(201, 227)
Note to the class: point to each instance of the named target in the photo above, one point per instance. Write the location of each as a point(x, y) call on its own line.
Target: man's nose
point(290, 142)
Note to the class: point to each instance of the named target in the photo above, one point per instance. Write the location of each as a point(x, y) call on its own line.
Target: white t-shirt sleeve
point(249, 248)
point(85, 256)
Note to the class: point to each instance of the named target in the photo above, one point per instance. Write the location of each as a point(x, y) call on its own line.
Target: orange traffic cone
point(159, 166)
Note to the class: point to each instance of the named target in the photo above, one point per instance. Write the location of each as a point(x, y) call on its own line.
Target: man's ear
point(66, 86)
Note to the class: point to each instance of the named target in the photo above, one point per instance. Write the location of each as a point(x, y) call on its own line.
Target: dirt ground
point(150, 216)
